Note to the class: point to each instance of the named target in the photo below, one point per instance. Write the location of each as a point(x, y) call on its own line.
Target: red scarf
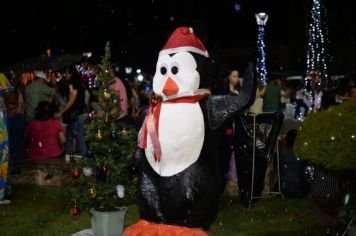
point(151, 123)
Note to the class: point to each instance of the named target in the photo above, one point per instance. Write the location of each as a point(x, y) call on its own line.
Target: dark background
point(139, 29)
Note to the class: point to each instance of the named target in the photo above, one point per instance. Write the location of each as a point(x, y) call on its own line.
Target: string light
point(317, 55)
point(261, 19)
point(87, 72)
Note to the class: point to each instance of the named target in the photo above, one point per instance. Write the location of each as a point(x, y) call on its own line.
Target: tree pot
point(108, 223)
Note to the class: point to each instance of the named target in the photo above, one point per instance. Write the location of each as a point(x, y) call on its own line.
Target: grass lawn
point(40, 211)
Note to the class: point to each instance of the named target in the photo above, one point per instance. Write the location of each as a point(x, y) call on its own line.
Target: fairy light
point(317, 55)
point(87, 72)
point(261, 19)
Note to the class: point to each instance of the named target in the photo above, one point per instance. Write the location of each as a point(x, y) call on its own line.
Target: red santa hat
point(184, 40)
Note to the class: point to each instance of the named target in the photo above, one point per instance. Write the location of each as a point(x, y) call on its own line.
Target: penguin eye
point(174, 70)
point(163, 70)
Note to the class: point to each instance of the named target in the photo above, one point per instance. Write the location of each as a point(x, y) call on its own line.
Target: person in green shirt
point(271, 98)
point(36, 92)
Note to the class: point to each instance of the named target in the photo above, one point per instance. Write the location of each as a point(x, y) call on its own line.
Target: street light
point(261, 19)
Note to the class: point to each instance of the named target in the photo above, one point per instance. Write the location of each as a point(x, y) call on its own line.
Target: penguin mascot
point(178, 190)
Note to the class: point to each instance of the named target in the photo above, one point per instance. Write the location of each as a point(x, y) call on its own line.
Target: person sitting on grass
point(293, 182)
point(45, 135)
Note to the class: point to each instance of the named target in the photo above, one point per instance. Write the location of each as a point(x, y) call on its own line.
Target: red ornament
point(75, 211)
point(155, 99)
point(76, 172)
point(107, 121)
point(104, 168)
point(91, 116)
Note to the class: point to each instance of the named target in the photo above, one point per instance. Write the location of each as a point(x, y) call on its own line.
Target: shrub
point(328, 138)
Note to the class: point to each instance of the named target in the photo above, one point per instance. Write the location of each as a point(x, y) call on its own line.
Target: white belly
point(181, 136)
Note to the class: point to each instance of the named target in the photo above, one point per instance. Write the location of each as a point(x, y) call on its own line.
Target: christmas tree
point(318, 47)
point(99, 178)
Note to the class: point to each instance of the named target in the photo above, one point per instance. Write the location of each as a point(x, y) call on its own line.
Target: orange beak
point(170, 87)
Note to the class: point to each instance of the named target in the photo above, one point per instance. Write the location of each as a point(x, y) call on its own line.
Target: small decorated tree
point(100, 178)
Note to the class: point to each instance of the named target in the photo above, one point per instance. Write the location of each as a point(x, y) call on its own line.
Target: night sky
point(139, 29)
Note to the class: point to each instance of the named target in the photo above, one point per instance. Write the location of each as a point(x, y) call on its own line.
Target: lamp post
point(261, 19)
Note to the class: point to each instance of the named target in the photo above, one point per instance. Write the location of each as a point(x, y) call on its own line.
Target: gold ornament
point(92, 192)
point(124, 131)
point(99, 135)
point(106, 94)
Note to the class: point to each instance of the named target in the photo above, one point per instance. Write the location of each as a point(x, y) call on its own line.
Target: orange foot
point(145, 228)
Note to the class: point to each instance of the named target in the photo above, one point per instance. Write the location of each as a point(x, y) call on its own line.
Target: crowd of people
point(289, 97)
point(45, 118)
